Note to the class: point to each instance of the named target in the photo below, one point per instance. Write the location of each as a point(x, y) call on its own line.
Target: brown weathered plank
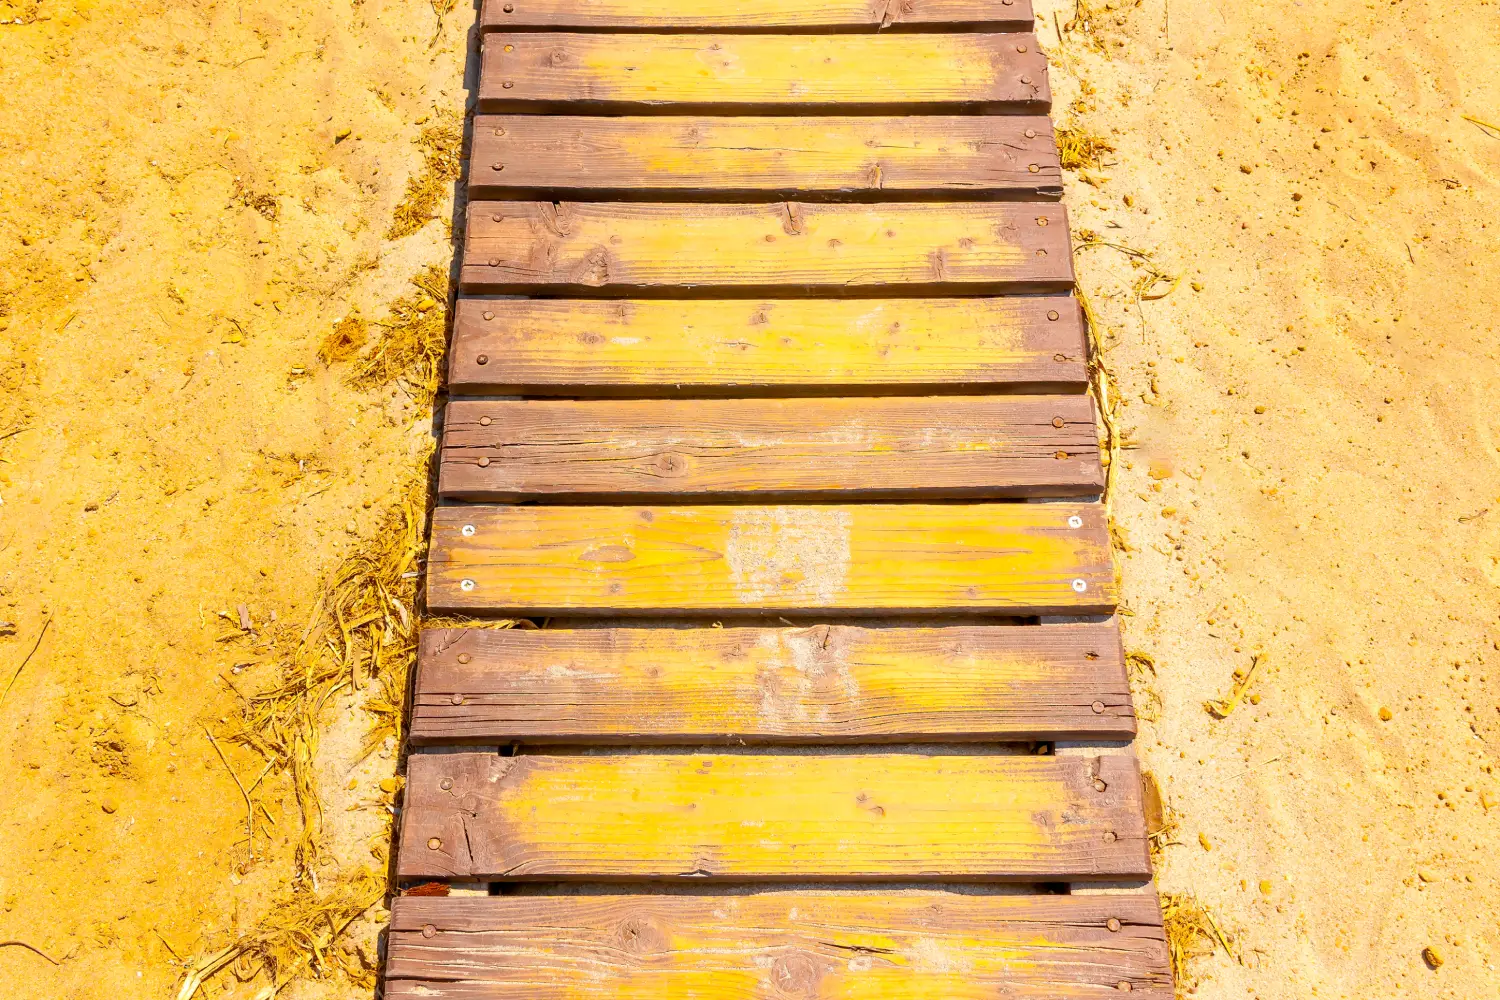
point(793, 944)
point(903, 447)
point(621, 248)
point(641, 347)
point(767, 15)
point(829, 683)
point(992, 156)
point(583, 73)
point(997, 558)
point(867, 816)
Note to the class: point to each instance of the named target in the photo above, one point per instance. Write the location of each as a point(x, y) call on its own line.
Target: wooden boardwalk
point(769, 405)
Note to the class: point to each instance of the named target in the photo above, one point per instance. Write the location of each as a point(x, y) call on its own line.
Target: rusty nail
point(501, 131)
point(489, 315)
point(507, 85)
point(1031, 133)
point(1052, 314)
point(428, 931)
point(1098, 707)
point(457, 699)
point(1113, 924)
point(445, 784)
point(510, 48)
point(1033, 168)
point(464, 657)
point(509, 8)
point(1099, 785)
point(1109, 836)
point(1026, 80)
point(434, 843)
point(484, 463)
point(497, 217)
point(1059, 423)
point(468, 532)
point(465, 586)
point(497, 166)
point(483, 359)
point(484, 421)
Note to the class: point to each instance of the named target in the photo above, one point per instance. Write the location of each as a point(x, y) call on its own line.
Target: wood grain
point(910, 447)
point(619, 248)
point(912, 945)
point(829, 683)
point(638, 347)
point(772, 816)
point(582, 73)
point(991, 156)
point(767, 15)
point(1000, 558)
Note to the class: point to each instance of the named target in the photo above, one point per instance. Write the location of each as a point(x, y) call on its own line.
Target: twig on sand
point(1493, 131)
point(31, 948)
point(249, 808)
point(34, 647)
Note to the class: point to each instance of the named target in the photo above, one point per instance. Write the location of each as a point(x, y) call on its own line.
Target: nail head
point(468, 532)
point(1099, 785)
point(466, 585)
point(457, 699)
point(1113, 924)
point(1053, 315)
point(484, 463)
point(1075, 521)
point(464, 657)
point(483, 359)
point(428, 931)
point(484, 421)
point(1098, 707)
point(489, 315)
point(1026, 80)
point(1059, 423)
point(434, 843)
point(445, 784)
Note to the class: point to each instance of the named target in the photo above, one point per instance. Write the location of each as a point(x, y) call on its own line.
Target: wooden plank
point(637, 347)
point(1000, 558)
point(619, 248)
point(829, 683)
point(993, 156)
point(909, 447)
point(768, 15)
point(794, 944)
point(580, 73)
point(773, 816)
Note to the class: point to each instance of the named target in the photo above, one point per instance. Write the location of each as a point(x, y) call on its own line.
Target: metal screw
point(497, 166)
point(1113, 924)
point(457, 699)
point(1053, 315)
point(510, 48)
point(1058, 422)
point(1123, 986)
point(484, 421)
point(428, 931)
point(501, 131)
point(484, 463)
point(1032, 168)
point(1020, 48)
point(1099, 785)
point(1031, 133)
point(488, 314)
point(445, 784)
point(1041, 220)
point(1098, 707)
point(434, 843)
point(1079, 586)
point(509, 8)
point(507, 85)
point(466, 585)
point(468, 532)
point(483, 359)
point(497, 218)
point(464, 657)
point(1026, 79)
point(1075, 521)
point(1110, 837)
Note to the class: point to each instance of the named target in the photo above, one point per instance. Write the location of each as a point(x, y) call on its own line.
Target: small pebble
point(1203, 840)
point(1432, 957)
point(1385, 714)
point(108, 806)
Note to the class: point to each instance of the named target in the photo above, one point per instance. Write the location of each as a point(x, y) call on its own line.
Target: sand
point(192, 195)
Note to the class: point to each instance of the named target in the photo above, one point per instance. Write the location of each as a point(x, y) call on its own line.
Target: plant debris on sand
point(441, 143)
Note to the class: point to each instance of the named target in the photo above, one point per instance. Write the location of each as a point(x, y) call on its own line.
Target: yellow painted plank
point(579, 73)
point(581, 347)
point(993, 156)
point(772, 816)
point(912, 945)
point(767, 15)
point(1001, 558)
point(828, 683)
point(899, 447)
point(619, 248)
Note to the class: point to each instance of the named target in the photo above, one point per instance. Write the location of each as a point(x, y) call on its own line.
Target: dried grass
point(1079, 148)
point(344, 341)
point(412, 341)
point(1192, 933)
point(441, 144)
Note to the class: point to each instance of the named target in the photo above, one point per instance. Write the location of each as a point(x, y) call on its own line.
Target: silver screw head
point(468, 530)
point(1079, 586)
point(1075, 521)
point(468, 585)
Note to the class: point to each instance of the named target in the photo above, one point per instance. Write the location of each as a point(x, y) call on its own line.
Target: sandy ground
point(192, 194)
